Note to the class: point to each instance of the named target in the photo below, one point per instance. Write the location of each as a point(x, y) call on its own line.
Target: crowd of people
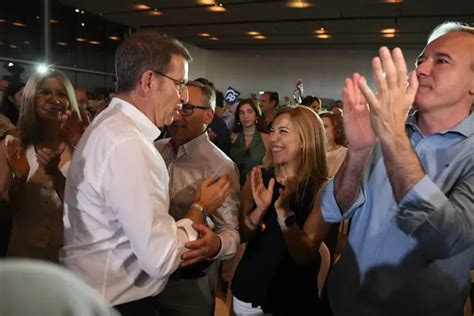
point(160, 195)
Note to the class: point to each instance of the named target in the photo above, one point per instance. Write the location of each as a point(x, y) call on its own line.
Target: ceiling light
point(10, 64)
point(77, 10)
point(53, 21)
point(217, 7)
point(20, 24)
point(155, 12)
point(141, 6)
point(206, 2)
point(389, 35)
point(393, 1)
point(114, 37)
point(388, 31)
point(95, 42)
point(13, 46)
point(203, 34)
point(253, 33)
point(321, 30)
point(26, 42)
point(42, 69)
point(323, 36)
point(302, 4)
point(82, 24)
point(81, 39)
point(61, 43)
point(260, 37)
point(214, 38)
point(82, 12)
point(3, 21)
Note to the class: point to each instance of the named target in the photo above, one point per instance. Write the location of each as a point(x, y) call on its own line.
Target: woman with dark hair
point(39, 161)
point(337, 143)
point(314, 103)
point(10, 106)
point(249, 138)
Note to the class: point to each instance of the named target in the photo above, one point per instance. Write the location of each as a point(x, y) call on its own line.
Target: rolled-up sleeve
point(330, 209)
point(135, 184)
point(442, 222)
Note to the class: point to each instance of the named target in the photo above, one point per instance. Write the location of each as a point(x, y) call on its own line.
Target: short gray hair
point(208, 93)
point(449, 27)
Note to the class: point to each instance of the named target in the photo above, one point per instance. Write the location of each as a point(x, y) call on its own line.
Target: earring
point(238, 123)
point(256, 121)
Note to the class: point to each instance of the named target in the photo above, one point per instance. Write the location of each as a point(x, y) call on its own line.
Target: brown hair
point(260, 123)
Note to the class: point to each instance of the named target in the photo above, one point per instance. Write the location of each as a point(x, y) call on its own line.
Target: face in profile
point(329, 128)
point(51, 99)
point(284, 140)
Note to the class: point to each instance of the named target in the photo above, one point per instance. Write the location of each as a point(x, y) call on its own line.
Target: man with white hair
point(407, 183)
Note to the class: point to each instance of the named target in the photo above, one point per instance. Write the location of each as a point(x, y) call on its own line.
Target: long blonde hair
point(312, 161)
point(28, 130)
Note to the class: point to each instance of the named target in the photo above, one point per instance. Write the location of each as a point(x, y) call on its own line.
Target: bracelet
point(204, 205)
point(200, 206)
point(251, 225)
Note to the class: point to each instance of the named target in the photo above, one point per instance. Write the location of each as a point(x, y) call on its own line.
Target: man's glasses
point(187, 109)
point(180, 84)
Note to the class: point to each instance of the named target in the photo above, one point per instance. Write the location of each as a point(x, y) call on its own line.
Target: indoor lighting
point(323, 36)
point(53, 21)
point(299, 4)
point(388, 30)
point(20, 24)
point(260, 37)
point(13, 46)
point(393, 1)
point(253, 33)
point(94, 42)
point(114, 37)
point(81, 39)
point(203, 34)
point(141, 6)
point(42, 69)
point(214, 38)
point(77, 10)
point(389, 35)
point(206, 2)
point(10, 64)
point(217, 7)
point(321, 30)
point(3, 21)
point(155, 12)
point(61, 43)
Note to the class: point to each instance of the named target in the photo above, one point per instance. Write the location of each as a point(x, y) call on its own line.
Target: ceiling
point(349, 23)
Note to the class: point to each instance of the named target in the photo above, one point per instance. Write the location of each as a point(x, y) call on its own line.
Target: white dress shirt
point(194, 161)
point(118, 235)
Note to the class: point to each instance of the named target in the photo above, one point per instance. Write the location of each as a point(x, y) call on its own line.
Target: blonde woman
point(277, 273)
point(39, 158)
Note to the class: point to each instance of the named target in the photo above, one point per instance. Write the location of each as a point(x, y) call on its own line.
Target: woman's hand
point(262, 196)
point(49, 160)
point(16, 158)
point(282, 204)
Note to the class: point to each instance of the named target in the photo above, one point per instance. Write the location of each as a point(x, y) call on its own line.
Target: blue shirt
point(415, 256)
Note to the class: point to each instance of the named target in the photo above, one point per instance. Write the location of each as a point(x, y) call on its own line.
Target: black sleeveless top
point(267, 276)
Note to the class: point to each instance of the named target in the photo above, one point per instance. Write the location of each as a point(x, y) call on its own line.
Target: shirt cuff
point(185, 224)
point(420, 202)
point(330, 209)
point(221, 252)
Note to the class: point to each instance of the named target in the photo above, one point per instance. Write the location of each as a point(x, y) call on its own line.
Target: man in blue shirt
point(408, 184)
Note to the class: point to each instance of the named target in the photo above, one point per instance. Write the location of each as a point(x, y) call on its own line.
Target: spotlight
point(42, 68)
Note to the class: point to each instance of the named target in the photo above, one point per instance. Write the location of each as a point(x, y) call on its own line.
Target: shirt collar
point(143, 123)
point(465, 127)
point(190, 146)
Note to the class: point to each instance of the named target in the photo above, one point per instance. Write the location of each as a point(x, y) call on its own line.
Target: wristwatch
point(287, 222)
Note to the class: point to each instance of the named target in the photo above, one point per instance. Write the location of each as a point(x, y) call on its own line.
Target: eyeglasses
point(180, 84)
point(187, 109)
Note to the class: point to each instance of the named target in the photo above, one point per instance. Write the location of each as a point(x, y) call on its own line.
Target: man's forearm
point(348, 180)
point(403, 166)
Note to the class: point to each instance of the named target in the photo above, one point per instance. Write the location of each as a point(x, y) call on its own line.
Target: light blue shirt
point(417, 253)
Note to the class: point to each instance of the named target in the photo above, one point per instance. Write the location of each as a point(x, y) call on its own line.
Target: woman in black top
point(278, 271)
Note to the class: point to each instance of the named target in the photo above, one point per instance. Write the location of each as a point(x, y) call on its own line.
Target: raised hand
point(389, 106)
point(49, 160)
point(206, 246)
point(72, 127)
point(16, 157)
point(262, 196)
point(282, 204)
point(212, 193)
point(357, 124)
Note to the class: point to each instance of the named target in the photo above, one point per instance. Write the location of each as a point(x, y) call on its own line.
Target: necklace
point(248, 133)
